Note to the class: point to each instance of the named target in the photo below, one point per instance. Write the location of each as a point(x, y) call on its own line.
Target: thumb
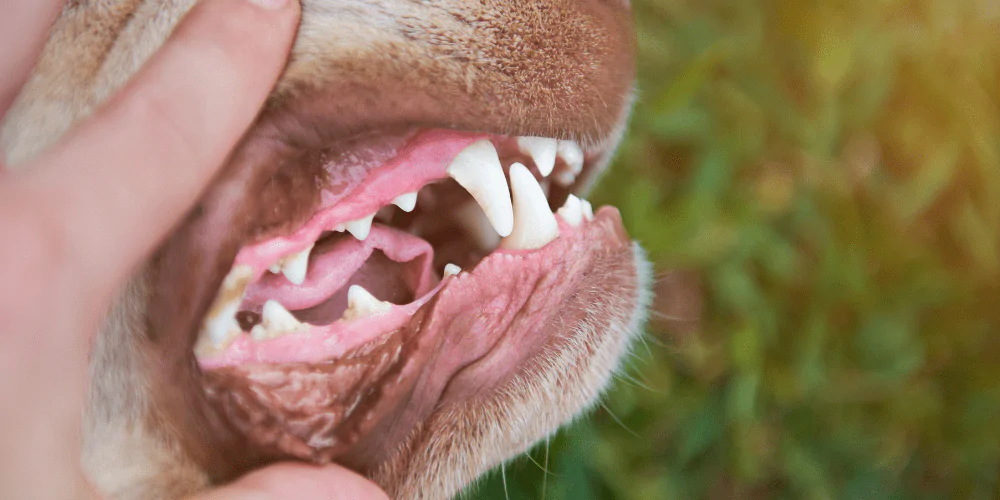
point(298, 481)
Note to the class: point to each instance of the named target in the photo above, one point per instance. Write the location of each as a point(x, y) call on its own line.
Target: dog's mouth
point(435, 265)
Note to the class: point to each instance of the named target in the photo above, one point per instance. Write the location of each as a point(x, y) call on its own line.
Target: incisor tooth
point(571, 153)
point(542, 151)
point(571, 211)
point(564, 178)
point(406, 201)
point(361, 304)
point(275, 321)
point(361, 227)
point(295, 266)
point(477, 169)
point(451, 269)
point(534, 224)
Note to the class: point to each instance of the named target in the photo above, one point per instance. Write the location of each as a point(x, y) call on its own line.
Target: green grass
point(818, 184)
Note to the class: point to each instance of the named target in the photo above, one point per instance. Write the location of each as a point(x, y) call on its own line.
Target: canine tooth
point(477, 226)
point(542, 151)
point(296, 266)
point(572, 211)
point(361, 227)
point(361, 304)
point(588, 210)
point(534, 224)
point(275, 322)
point(571, 153)
point(477, 169)
point(451, 269)
point(406, 202)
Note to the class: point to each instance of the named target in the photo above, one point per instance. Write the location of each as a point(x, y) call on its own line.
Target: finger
point(118, 182)
point(23, 26)
point(301, 482)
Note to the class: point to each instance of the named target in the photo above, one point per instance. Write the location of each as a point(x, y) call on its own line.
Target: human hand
point(78, 218)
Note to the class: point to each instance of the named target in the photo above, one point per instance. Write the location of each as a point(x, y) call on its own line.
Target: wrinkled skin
point(555, 68)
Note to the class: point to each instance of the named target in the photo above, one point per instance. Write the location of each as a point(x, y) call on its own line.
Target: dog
point(406, 281)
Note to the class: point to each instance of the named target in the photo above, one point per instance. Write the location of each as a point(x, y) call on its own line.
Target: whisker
point(503, 477)
point(545, 476)
point(618, 420)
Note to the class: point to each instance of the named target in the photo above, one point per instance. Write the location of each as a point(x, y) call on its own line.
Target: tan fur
point(558, 68)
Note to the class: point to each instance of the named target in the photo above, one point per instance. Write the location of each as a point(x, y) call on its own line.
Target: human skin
point(82, 215)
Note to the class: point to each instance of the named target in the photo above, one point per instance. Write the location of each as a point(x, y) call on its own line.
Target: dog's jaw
point(134, 445)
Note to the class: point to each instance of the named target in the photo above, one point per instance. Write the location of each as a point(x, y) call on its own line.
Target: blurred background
point(818, 185)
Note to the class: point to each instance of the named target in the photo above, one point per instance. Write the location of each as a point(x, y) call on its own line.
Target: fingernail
point(271, 4)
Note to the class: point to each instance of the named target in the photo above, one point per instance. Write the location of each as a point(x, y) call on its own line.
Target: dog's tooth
point(475, 223)
point(361, 304)
point(275, 268)
point(275, 321)
point(451, 269)
point(571, 211)
point(361, 227)
point(224, 327)
point(534, 224)
point(588, 210)
point(295, 266)
point(542, 151)
point(571, 153)
point(477, 169)
point(220, 325)
point(564, 178)
point(572, 156)
point(406, 202)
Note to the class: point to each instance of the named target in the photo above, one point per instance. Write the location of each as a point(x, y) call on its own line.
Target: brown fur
point(558, 68)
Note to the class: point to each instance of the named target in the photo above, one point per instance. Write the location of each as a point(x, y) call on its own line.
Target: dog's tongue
point(392, 265)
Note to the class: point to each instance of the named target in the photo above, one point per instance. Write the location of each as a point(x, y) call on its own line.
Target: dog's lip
point(431, 364)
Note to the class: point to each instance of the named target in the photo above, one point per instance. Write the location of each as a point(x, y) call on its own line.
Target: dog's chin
point(363, 307)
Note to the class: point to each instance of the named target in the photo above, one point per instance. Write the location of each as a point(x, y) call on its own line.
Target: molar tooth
point(295, 266)
point(542, 151)
point(588, 210)
point(406, 202)
point(534, 224)
point(572, 211)
point(361, 227)
point(477, 169)
point(220, 325)
point(451, 269)
point(275, 322)
point(361, 304)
